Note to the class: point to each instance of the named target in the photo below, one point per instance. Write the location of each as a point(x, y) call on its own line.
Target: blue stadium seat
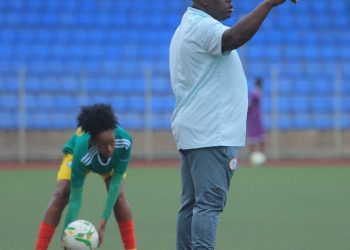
point(266, 106)
point(46, 103)
point(301, 105)
point(163, 104)
point(161, 85)
point(286, 122)
point(303, 87)
point(285, 105)
point(136, 104)
point(103, 49)
point(323, 122)
point(341, 21)
point(322, 104)
point(9, 102)
point(345, 104)
point(267, 122)
point(94, 98)
point(135, 123)
point(285, 86)
point(8, 120)
point(8, 85)
point(303, 122)
point(162, 122)
point(275, 38)
point(51, 121)
point(311, 52)
point(32, 103)
point(67, 104)
point(345, 122)
point(119, 104)
point(324, 86)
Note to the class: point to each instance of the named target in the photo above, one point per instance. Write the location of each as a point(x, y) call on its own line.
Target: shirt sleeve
point(69, 146)
point(209, 36)
point(76, 190)
point(116, 181)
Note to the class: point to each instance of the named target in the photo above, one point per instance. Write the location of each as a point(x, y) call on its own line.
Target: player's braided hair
point(96, 118)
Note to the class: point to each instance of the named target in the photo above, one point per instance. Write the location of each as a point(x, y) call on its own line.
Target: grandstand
point(58, 55)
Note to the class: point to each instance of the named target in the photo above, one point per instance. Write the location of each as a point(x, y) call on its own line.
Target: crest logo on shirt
point(233, 164)
point(69, 164)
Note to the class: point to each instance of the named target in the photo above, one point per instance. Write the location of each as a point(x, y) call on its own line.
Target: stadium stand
point(77, 52)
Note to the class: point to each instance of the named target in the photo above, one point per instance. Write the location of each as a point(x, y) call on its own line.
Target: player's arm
point(113, 192)
point(245, 29)
point(116, 181)
point(114, 188)
point(76, 190)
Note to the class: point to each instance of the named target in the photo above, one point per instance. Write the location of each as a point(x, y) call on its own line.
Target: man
point(209, 120)
point(99, 146)
point(255, 128)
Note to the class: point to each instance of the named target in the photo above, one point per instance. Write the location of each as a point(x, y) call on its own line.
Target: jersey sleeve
point(69, 146)
point(125, 157)
point(209, 36)
point(76, 190)
point(117, 179)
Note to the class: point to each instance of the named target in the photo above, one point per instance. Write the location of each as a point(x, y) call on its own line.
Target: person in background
point(255, 127)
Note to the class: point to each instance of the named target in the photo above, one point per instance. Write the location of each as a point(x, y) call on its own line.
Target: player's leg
point(123, 216)
point(184, 217)
point(212, 169)
point(262, 145)
point(58, 202)
point(56, 206)
point(252, 148)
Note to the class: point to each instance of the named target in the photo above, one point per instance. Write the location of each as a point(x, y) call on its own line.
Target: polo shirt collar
point(197, 12)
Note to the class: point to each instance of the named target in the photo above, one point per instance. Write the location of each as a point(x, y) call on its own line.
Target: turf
point(289, 208)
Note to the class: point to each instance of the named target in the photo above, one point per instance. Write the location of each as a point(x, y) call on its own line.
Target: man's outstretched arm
point(245, 29)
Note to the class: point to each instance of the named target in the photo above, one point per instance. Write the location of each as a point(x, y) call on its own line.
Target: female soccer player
point(99, 146)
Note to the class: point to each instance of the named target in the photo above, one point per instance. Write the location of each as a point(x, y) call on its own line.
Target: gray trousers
point(205, 174)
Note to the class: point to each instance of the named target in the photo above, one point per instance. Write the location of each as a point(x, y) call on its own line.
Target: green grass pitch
point(287, 208)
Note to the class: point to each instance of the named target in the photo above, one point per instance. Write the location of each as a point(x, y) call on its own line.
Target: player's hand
point(63, 245)
point(278, 2)
point(101, 232)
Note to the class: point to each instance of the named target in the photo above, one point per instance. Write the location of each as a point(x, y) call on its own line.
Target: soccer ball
point(257, 158)
point(80, 235)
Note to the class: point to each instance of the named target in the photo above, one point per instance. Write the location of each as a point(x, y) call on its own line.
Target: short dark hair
point(96, 118)
point(259, 82)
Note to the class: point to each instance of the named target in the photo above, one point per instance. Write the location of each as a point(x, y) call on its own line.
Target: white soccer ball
point(257, 158)
point(80, 235)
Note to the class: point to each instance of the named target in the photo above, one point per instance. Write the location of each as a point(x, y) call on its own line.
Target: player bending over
point(99, 145)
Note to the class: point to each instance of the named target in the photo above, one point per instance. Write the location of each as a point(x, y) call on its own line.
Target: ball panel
point(80, 235)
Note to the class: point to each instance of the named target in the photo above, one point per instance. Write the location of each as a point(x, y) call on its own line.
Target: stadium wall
point(306, 144)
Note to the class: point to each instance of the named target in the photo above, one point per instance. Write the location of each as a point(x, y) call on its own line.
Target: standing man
point(209, 120)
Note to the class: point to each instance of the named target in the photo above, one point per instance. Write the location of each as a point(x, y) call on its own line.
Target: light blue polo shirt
point(210, 88)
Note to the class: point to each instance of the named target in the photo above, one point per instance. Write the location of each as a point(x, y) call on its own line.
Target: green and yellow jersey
point(87, 159)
